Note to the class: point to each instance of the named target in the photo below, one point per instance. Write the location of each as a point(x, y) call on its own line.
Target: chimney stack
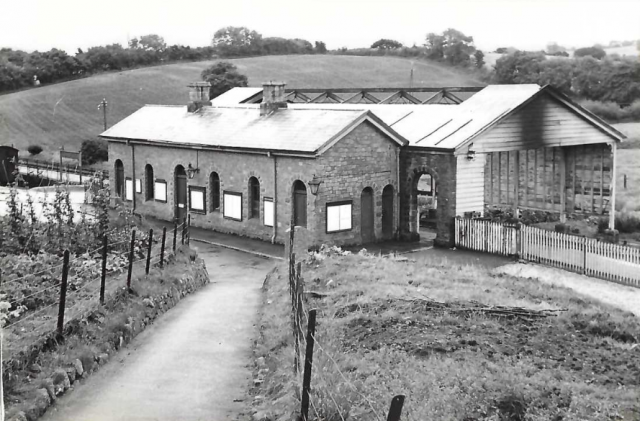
point(272, 97)
point(198, 95)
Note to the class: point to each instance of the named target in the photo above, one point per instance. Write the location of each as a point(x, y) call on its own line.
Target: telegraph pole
point(103, 106)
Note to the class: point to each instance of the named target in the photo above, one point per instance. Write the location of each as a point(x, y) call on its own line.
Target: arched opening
point(387, 212)
point(214, 185)
point(425, 200)
point(299, 204)
point(119, 178)
point(149, 182)
point(367, 225)
point(254, 198)
point(180, 180)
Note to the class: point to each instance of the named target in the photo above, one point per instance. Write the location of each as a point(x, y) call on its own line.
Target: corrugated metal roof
point(237, 127)
point(235, 96)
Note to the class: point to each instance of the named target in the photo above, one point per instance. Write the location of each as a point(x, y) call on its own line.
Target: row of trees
point(19, 68)
point(233, 41)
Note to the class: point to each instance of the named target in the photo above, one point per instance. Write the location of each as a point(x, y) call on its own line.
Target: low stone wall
point(63, 378)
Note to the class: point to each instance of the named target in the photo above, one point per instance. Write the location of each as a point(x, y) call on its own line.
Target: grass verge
point(388, 327)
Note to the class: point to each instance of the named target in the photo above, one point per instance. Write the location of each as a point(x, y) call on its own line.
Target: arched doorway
point(119, 168)
point(180, 198)
point(367, 226)
point(299, 204)
point(387, 212)
point(427, 201)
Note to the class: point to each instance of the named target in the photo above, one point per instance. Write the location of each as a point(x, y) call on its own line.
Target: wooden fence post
point(164, 238)
point(396, 408)
point(175, 236)
point(103, 276)
point(189, 229)
point(584, 254)
point(133, 239)
point(146, 269)
point(308, 364)
point(63, 291)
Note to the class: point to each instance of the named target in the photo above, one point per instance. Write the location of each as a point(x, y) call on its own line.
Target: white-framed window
point(339, 216)
point(138, 186)
point(197, 199)
point(269, 214)
point(128, 189)
point(160, 191)
point(232, 205)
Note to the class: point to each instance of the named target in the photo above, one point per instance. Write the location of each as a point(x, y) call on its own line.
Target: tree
point(223, 76)
point(234, 41)
point(553, 49)
point(478, 59)
point(94, 151)
point(458, 47)
point(386, 44)
point(320, 47)
point(435, 46)
point(34, 149)
point(595, 52)
point(151, 42)
point(519, 67)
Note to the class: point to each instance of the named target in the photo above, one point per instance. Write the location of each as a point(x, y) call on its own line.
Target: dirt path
point(624, 297)
point(192, 364)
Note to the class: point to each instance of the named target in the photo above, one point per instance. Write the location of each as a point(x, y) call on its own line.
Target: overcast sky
point(525, 24)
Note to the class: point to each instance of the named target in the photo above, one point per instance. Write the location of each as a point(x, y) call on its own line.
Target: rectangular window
point(128, 189)
point(233, 205)
point(339, 216)
point(197, 199)
point(160, 190)
point(138, 186)
point(269, 213)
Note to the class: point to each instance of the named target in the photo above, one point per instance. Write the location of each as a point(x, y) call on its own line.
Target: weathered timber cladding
point(533, 179)
point(363, 158)
point(470, 184)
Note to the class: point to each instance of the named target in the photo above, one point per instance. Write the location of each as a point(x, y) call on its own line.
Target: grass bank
point(460, 342)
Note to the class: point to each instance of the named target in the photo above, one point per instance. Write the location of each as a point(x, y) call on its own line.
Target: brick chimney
point(198, 95)
point(272, 97)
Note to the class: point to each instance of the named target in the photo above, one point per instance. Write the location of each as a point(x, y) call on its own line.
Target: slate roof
point(242, 127)
point(235, 96)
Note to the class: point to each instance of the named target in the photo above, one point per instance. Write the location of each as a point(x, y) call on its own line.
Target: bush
point(94, 151)
point(34, 149)
point(611, 111)
point(627, 223)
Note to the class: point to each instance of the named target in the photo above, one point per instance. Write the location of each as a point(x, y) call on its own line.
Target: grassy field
point(628, 199)
point(65, 114)
point(425, 329)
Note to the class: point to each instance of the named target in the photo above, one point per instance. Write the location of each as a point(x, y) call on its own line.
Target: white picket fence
point(579, 254)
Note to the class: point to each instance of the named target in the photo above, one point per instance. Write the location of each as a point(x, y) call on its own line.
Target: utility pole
point(103, 106)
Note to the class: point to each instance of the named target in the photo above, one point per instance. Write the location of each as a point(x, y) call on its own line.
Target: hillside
point(67, 113)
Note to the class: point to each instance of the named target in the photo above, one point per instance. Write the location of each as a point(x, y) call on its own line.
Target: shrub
point(94, 151)
point(627, 223)
point(34, 149)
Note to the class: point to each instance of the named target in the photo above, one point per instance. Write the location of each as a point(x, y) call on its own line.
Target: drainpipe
point(275, 198)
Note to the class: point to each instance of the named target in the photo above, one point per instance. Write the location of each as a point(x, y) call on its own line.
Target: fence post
point(103, 276)
point(63, 291)
point(308, 363)
point(133, 239)
point(184, 231)
point(584, 254)
point(146, 269)
point(189, 229)
point(164, 238)
point(175, 235)
point(396, 408)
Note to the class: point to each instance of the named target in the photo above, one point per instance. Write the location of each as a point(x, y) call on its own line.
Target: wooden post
point(563, 186)
point(308, 364)
point(63, 291)
point(103, 276)
point(188, 229)
point(164, 238)
point(396, 408)
point(612, 189)
point(184, 231)
point(146, 269)
point(584, 254)
point(175, 235)
point(133, 239)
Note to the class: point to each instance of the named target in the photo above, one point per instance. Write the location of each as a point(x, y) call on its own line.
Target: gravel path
point(617, 295)
point(194, 363)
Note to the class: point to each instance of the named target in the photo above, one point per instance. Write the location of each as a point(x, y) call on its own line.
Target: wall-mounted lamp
point(314, 184)
point(191, 171)
point(471, 154)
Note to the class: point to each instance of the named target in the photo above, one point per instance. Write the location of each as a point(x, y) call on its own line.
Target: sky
point(524, 24)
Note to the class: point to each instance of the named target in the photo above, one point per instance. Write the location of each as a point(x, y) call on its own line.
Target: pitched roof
point(241, 127)
point(235, 96)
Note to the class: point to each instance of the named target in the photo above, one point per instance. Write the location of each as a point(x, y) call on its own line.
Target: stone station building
point(252, 160)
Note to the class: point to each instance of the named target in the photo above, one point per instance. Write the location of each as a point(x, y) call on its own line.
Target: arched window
point(254, 198)
point(299, 204)
point(119, 178)
point(214, 183)
point(149, 182)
